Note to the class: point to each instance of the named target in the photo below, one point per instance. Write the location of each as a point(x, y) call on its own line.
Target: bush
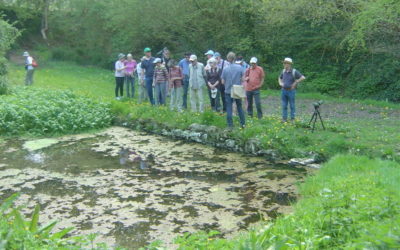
point(38, 112)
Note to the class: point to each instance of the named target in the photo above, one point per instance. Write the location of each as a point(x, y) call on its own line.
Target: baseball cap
point(217, 54)
point(253, 60)
point(210, 52)
point(147, 49)
point(193, 58)
point(121, 56)
point(26, 53)
point(157, 60)
point(288, 60)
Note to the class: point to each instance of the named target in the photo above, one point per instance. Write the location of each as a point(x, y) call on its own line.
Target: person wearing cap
point(148, 73)
point(288, 80)
point(119, 76)
point(175, 85)
point(29, 68)
point(197, 80)
point(184, 65)
point(160, 80)
point(141, 87)
point(209, 54)
point(130, 70)
point(232, 75)
point(221, 64)
point(254, 78)
point(242, 63)
point(213, 82)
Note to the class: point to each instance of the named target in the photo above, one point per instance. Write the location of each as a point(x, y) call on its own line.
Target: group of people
point(227, 81)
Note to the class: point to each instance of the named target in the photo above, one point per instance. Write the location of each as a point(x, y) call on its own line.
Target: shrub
point(38, 112)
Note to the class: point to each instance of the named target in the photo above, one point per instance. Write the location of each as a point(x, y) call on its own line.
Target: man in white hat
point(29, 68)
point(288, 80)
point(254, 78)
point(197, 81)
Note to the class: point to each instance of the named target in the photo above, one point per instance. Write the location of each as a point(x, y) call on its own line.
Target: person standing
point(148, 73)
point(232, 75)
point(209, 54)
point(221, 64)
point(288, 80)
point(29, 68)
point(130, 70)
point(175, 85)
point(213, 82)
point(160, 82)
point(184, 65)
point(119, 76)
point(197, 76)
point(141, 86)
point(254, 78)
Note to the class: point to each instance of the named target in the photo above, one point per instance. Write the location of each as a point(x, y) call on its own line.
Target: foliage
point(352, 203)
point(17, 232)
point(7, 36)
point(40, 111)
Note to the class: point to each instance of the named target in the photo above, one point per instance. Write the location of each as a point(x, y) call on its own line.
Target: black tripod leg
point(312, 117)
point(315, 120)
point(320, 118)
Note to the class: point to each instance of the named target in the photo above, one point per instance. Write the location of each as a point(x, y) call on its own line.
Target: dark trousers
point(130, 86)
point(221, 88)
point(215, 105)
point(119, 86)
point(149, 88)
point(229, 112)
point(256, 95)
point(185, 91)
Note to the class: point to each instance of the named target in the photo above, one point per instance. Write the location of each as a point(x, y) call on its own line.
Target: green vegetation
point(345, 48)
point(352, 203)
point(36, 111)
point(17, 232)
point(7, 36)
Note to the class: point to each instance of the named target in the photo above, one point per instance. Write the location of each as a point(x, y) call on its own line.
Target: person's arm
point(262, 77)
point(300, 79)
point(280, 80)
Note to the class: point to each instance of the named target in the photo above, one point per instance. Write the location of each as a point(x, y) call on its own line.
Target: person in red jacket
point(254, 78)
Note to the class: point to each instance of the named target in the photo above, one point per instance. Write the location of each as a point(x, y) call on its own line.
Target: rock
point(314, 165)
point(195, 136)
point(252, 146)
point(198, 127)
point(301, 161)
point(230, 143)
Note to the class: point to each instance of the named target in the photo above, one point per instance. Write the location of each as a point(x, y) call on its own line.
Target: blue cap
point(217, 54)
point(210, 52)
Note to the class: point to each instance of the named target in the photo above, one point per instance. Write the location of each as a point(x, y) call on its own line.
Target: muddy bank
point(132, 188)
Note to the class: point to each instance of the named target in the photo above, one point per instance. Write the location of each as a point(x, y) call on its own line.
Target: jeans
point(149, 88)
point(130, 86)
point(196, 96)
point(119, 86)
point(161, 92)
point(221, 89)
point(29, 76)
point(176, 98)
point(288, 96)
point(229, 115)
point(185, 91)
point(142, 91)
point(257, 100)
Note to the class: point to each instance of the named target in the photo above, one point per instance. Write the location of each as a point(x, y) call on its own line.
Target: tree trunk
point(45, 14)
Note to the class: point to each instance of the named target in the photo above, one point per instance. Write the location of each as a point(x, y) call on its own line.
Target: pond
point(132, 188)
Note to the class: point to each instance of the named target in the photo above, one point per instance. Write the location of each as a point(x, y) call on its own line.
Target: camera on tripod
point(316, 115)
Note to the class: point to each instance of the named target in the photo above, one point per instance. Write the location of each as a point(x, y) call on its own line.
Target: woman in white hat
point(29, 68)
point(213, 82)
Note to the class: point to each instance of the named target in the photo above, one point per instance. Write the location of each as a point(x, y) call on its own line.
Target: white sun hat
point(253, 60)
point(214, 93)
point(288, 60)
point(193, 58)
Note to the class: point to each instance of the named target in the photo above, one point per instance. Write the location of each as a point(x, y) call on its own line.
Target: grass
point(352, 203)
point(358, 135)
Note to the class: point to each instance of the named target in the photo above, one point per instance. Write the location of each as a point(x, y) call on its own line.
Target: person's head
point(253, 62)
point(217, 56)
point(26, 54)
point(230, 57)
point(187, 56)
point(172, 63)
point(287, 63)
point(166, 52)
point(157, 62)
point(239, 60)
point(147, 52)
point(193, 59)
point(129, 57)
point(209, 54)
point(121, 57)
point(213, 62)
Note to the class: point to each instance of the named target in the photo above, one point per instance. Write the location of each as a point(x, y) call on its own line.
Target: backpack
point(293, 73)
point(34, 63)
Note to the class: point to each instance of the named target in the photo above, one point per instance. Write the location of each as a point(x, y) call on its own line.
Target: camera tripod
point(314, 118)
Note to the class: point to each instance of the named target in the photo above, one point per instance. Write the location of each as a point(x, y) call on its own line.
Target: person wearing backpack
point(30, 65)
point(288, 80)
